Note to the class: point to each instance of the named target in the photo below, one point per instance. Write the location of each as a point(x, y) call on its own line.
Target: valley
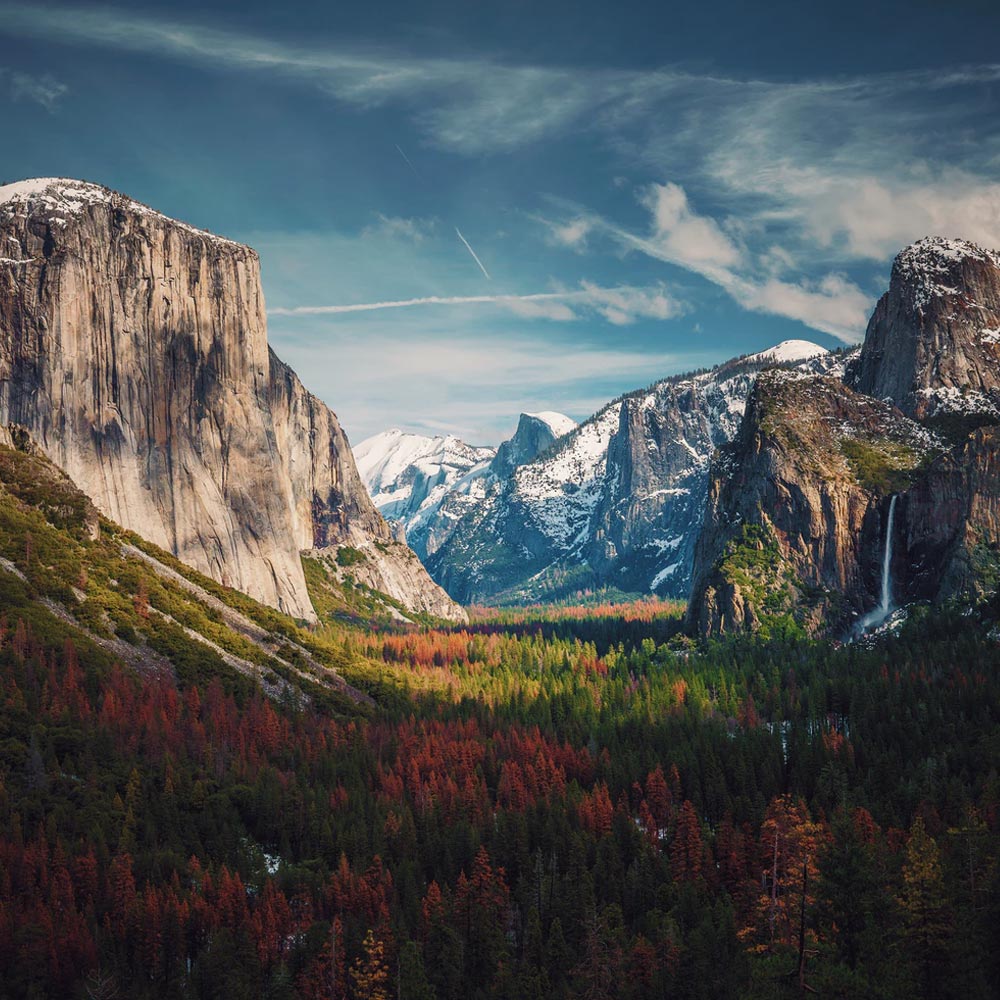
point(696, 698)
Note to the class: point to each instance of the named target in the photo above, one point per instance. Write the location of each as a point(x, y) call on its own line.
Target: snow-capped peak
point(789, 351)
point(383, 458)
point(941, 249)
point(929, 269)
point(558, 423)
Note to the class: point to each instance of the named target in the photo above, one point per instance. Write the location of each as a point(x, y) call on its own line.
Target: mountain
point(535, 433)
point(797, 510)
point(616, 501)
point(408, 476)
point(133, 349)
point(424, 485)
point(933, 343)
point(72, 576)
point(835, 504)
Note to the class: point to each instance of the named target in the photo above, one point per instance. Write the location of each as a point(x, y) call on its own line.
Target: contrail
point(405, 157)
point(431, 300)
point(473, 252)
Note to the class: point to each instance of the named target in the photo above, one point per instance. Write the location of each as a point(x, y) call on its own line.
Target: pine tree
point(413, 982)
point(924, 902)
point(370, 974)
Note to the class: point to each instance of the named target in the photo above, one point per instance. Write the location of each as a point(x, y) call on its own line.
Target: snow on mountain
point(558, 423)
point(426, 485)
point(63, 197)
point(789, 351)
point(408, 475)
point(617, 501)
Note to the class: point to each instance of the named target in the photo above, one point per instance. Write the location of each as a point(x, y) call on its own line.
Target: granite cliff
point(133, 349)
point(834, 500)
point(797, 507)
point(933, 342)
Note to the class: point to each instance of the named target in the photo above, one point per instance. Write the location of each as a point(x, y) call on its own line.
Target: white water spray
point(879, 614)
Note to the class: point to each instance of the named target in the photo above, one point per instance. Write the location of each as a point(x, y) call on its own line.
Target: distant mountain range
point(615, 502)
point(791, 488)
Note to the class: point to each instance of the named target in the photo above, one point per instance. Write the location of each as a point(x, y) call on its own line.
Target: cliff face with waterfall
point(798, 529)
point(798, 505)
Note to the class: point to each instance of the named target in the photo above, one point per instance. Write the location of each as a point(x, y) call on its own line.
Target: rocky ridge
point(424, 485)
point(933, 342)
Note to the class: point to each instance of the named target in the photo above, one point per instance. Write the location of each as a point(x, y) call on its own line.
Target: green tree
point(924, 903)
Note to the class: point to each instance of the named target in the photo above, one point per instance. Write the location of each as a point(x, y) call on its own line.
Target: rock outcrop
point(133, 348)
point(797, 507)
point(535, 433)
point(950, 533)
point(933, 343)
point(798, 512)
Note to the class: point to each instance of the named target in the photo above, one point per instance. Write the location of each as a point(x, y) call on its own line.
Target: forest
point(574, 802)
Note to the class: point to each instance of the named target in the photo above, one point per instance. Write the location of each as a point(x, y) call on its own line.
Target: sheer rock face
point(532, 437)
point(797, 508)
point(134, 350)
point(951, 524)
point(933, 343)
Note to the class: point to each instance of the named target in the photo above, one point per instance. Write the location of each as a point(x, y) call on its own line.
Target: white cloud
point(834, 305)
point(869, 217)
point(682, 235)
point(624, 305)
point(572, 234)
point(528, 308)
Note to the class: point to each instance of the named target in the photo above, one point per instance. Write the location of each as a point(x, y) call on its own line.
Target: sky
point(467, 211)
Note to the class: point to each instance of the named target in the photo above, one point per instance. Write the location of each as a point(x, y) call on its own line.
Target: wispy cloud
point(680, 236)
point(397, 228)
point(803, 178)
point(620, 305)
point(44, 90)
point(572, 234)
point(479, 385)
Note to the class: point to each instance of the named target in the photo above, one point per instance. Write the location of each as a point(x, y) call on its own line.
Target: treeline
point(594, 813)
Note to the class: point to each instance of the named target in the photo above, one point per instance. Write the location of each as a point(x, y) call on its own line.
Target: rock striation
point(133, 349)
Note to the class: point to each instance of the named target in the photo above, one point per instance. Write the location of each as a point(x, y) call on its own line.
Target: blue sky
point(648, 188)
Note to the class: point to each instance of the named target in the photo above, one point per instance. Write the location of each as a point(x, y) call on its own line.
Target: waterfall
point(880, 613)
